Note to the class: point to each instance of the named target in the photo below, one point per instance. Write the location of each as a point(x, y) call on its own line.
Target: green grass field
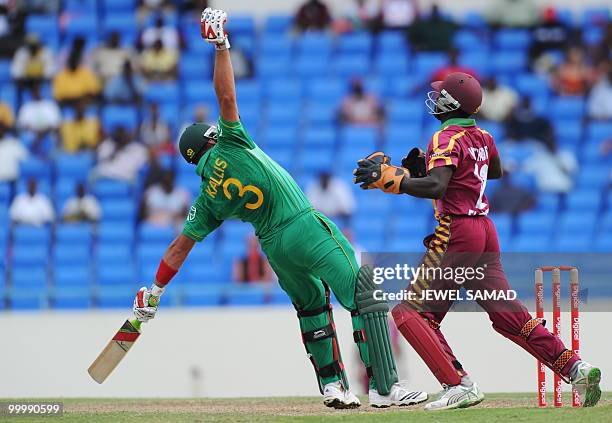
point(513, 408)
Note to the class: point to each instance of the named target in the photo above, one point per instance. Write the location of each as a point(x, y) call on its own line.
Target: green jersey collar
point(458, 122)
point(202, 162)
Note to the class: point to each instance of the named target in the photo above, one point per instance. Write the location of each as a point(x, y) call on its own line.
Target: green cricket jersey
point(239, 181)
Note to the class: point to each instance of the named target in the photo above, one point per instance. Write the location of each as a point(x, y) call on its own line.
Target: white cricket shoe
point(398, 396)
point(585, 379)
point(336, 396)
point(458, 396)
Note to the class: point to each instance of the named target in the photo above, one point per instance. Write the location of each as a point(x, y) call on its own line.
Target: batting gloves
point(375, 171)
point(212, 30)
point(146, 302)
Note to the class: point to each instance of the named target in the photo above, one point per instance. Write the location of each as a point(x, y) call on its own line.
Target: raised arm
point(212, 29)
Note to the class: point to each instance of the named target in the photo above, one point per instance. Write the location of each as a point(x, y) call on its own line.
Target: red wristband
point(164, 273)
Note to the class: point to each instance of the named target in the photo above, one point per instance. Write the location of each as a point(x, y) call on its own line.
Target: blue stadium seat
point(536, 223)
point(282, 90)
point(156, 234)
point(202, 295)
point(574, 242)
point(355, 43)
point(513, 39)
point(532, 85)
point(116, 233)
point(319, 137)
point(593, 176)
point(115, 6)
point(83, 25)
point(26, 298)
point(118, 210)
point(311, 66)
point(578, 223)
point(241, 25)
point(568, 132)
point(73, 298)
point(123, 23)
point(321, 114)
point(269, 67)
point(278, 24)
point(150, 251)
point(480, 61)
point(466, 40)
point(529, 243)
point(29, 276)
point(427, 63)
point(548, 202)
point(119, 296)
point(113, 116)
point(35, 169)
point(405, 112)
point(503, 223)
point(314, 43)
point(391, 41)
point(5, 70)
point(599, 130)
point(5, 193)
point(72, 275)
point(329, 90)
point(244, 295)
point(279, 114)
point(71, 254)
point(163, 93)
point(30, 255)
point(115, 275)
point(31, 235)
point(355, 136)
point(314, 160)
point(391, 64)
point(73, 166)
point(397, 135)
point(46, 27)
point(567, 107)
point(509, 62)
point(595, 16)
point(74, 233)
point(83, 6)
point(108, 189)
point(587, 199)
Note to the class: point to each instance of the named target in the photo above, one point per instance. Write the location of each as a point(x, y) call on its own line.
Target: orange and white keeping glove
point(375, 171)
point(212, 28)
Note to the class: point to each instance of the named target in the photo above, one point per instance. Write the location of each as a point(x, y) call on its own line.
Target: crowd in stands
point(119, 95)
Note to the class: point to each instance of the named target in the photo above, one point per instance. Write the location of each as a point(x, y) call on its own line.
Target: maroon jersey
point(467, 148)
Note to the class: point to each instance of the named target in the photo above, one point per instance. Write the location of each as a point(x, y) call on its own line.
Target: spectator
point(499, 101)
point(524, 124)
point(434, 33)
point(359, 108)
point(452, 66)
point(399, 14)
point(168, 35)
point(600, 99)
point(32, 64)
point(120, 157)
point(574, 75)
point(126, 88)
point(553, 170)
point(82, 207)
point(12, 153)
point(361, 15)
point(165, 204)
point(155, 132)
point(6, 115)
point(242, 63)
point(32, 207)
point(11, 30)
point(313, 15)
point(107, 60)
point(80, 133)
point(147, 8)
point(510, 198)
point(159, 63)
point(332, 197)
point(253, 266)
point(514, 13)
point(76, 82)
point(39, 116)
point(550, 34)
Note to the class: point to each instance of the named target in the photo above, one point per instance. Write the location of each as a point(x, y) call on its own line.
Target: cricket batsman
point(306, 250)
point(460, 158)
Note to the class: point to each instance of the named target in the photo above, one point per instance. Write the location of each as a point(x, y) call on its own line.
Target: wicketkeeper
point(460, 158)
point(306, 250)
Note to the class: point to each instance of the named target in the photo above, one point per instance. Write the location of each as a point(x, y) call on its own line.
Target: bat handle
point(136, 323)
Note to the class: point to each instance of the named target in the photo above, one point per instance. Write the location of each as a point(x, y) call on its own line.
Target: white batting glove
point(146, 302)
point(211, 27)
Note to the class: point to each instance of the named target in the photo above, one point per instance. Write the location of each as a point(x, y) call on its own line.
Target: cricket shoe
point(458, 396)
point(398, 396)
point(336, 396)
point(585, 379)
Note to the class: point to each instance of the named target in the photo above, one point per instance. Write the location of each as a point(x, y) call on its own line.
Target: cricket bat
point(114, 352)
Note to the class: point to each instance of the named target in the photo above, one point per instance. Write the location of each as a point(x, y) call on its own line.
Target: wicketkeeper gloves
point(375, 171)
point(211, 27)
point(415, 163)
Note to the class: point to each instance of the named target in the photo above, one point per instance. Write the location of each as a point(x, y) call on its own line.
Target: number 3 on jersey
point(242, 190)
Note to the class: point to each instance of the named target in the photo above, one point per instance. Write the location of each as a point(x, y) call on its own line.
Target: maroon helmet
point(458, 91)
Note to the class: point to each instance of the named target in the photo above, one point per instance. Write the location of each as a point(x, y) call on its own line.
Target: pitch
point(496, 407)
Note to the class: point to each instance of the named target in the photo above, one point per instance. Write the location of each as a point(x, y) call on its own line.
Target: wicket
point(556, 310)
